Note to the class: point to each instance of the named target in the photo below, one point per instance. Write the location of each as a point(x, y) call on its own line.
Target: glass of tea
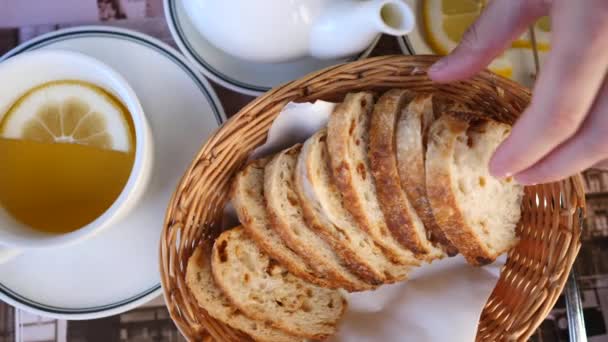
point(75, 149)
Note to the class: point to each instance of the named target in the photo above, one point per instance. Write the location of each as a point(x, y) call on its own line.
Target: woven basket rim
point(223, 149)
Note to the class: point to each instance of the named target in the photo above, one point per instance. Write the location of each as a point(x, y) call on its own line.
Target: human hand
point(565, 128)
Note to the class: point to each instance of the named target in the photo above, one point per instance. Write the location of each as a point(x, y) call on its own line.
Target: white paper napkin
point(441, 301)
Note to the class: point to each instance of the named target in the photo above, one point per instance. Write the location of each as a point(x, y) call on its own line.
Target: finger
point(603, 165)
point(499, 24)
point(587, 148)
point(566, 88)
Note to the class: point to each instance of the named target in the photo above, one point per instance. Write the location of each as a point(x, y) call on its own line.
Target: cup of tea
point(75, 149)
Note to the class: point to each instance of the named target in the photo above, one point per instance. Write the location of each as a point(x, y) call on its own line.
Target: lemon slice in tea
point(69, 112)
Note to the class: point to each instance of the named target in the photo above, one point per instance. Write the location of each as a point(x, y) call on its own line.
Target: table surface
point(233, 102)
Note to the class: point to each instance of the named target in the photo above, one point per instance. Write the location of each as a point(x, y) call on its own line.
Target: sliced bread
point(347, 144)
point(263, 290)
point(410, 141)
point(248, 200)
point(324, 210)
point(477, 212)
point(209, 297)
point(399, 214)
point(287, 219)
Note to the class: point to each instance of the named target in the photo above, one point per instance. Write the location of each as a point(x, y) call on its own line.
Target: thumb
point(498, 25)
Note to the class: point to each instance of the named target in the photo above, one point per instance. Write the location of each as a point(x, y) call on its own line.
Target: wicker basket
point(535, 272)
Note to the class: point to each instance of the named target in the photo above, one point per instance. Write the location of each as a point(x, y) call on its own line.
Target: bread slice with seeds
point(347, 143)
point(476, 211)
point(209, 297)
point(286, 217)
point(410, 141)
point(263, 290)
point(248, 199)
point(324, 210)
point(400, 216)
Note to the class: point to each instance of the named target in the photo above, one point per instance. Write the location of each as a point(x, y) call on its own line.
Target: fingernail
point(523, 180)
point(501, 175)
point(497, 171)
point(500, 167)
point(438, 66)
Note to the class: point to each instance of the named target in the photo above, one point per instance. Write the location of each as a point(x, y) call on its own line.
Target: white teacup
point(28, 70)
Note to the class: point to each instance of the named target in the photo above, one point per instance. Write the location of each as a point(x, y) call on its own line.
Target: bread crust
point(340, 243)
point(410, 140)
point(293, 306)
point(293, 230)
point(400, 216)
point(247, 197)
point(442, 138)
point(209, 297)
point(353, 112)
point(316, 191)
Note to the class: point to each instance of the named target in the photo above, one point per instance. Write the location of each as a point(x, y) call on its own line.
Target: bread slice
point(347, 143)
point(476, 211)
point(209, 297)
point(324, 210)
point(287, 220)
point(248, 200)
point(263, 290)
point(399, 214)
point(410, 141)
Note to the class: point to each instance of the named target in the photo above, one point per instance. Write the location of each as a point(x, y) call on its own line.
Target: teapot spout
point(347, 27)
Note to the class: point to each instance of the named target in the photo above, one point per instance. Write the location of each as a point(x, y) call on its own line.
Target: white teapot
point(283, 30)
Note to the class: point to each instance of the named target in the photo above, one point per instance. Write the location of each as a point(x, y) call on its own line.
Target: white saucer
point(117, 270)
point(405, 45)
point(236, 74)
